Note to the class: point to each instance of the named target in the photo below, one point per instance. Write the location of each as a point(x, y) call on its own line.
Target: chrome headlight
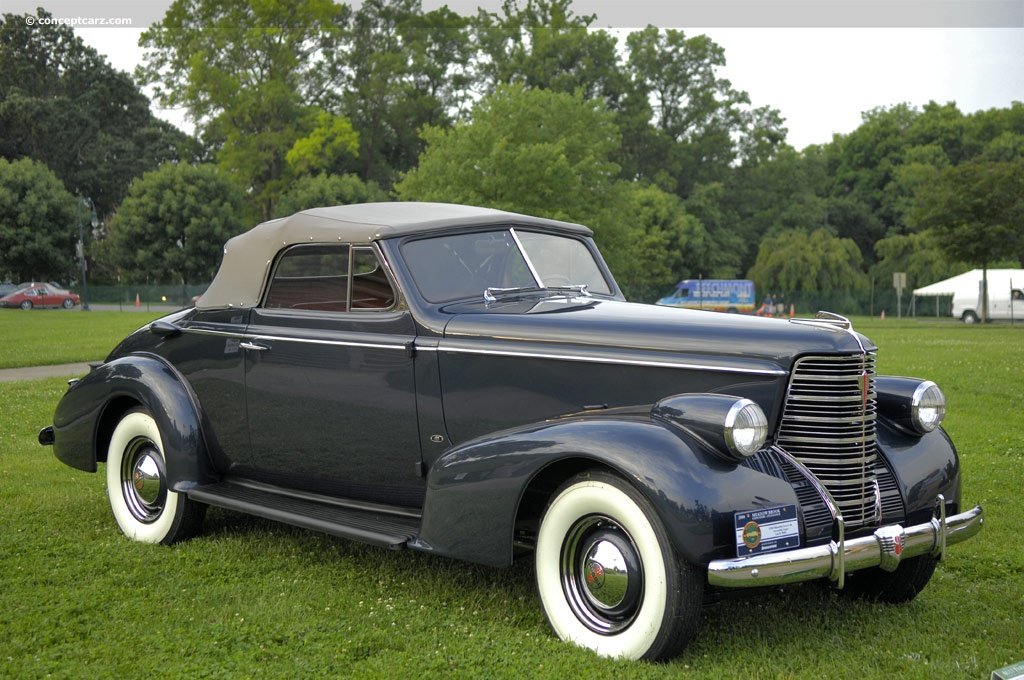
point(732, 428)
point(927, 407)
point(914, 406)
point(745, 428)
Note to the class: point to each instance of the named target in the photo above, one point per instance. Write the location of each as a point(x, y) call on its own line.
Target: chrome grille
point(828, 424)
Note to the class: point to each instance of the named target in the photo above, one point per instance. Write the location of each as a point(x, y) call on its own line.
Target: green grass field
point(44, 337)
point(251, 598)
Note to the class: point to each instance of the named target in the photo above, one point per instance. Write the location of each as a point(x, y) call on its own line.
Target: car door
point(330, 389)
point(45, 297)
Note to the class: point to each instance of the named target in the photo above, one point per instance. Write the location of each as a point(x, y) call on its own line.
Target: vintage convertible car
point(471, 383)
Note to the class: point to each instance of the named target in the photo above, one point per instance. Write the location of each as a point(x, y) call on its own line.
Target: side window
point(370, 286)
point(329, 278)
point(310, 277)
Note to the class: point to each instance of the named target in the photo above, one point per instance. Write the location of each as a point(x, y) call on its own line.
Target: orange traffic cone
point(792, 310)
point(138, 301)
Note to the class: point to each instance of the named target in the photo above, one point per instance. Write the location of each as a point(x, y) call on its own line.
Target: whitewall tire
point(607, 575)
point(143, 504)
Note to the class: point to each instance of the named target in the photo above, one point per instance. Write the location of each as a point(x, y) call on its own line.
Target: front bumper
point(886, 548)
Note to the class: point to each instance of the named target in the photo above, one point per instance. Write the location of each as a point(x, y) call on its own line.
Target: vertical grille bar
point(828, 424)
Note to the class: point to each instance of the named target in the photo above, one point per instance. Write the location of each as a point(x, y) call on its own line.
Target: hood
point(599, 323)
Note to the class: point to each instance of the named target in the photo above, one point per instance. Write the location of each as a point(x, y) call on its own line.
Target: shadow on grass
point(783, 618)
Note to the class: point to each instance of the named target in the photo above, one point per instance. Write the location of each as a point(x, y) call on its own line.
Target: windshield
point(460, 266)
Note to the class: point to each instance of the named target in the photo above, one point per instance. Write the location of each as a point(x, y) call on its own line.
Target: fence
point(848, 303)
point(145, 294)
point(868, 302)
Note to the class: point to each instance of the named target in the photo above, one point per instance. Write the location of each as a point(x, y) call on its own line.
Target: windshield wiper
point(491, 293)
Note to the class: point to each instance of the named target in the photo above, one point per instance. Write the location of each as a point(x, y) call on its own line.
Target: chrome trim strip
point(489, 352)
point(311, 341)
point(204, 331)
point(522, 251)
point(608, 360)
point(836, 559)
point(823, 493)
point(338, 343)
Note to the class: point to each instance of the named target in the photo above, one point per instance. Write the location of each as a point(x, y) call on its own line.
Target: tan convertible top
point(247, 257)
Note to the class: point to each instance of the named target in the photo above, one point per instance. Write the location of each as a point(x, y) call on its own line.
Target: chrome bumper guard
point(886, 548)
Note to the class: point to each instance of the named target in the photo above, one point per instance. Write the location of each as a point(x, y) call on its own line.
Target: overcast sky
point(821, 79)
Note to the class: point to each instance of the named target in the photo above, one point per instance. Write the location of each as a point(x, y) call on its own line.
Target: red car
point(40, 295)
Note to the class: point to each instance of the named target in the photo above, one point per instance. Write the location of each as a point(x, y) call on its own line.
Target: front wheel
point(68, 303)
point(143, 504)
point(26, 305)
point(969, 317)
point(607, 574)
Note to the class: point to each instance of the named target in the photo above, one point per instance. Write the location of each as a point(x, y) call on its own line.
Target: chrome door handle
point(245, 344)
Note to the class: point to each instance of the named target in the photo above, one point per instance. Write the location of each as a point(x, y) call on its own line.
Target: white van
point(1004, 302)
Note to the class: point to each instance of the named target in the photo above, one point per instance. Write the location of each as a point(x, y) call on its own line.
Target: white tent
point(970, 282)
point(951, 285)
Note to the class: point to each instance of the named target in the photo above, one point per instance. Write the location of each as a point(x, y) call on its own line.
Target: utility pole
point(80, 250)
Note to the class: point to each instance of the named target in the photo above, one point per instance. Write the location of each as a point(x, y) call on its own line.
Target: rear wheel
point(969, 316)
point(608, 577)
point(894, 587)
point(145, 507)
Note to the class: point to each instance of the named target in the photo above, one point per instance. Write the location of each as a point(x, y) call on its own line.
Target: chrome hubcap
point(605, 575)
point(142, 480)
point(602, 575)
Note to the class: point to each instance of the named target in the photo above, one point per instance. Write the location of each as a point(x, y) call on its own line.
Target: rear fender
point(475, 491)
point(90, 409)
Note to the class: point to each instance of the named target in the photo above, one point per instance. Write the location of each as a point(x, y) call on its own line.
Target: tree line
point(309, 103)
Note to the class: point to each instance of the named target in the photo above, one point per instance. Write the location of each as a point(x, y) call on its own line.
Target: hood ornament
point(826, 319)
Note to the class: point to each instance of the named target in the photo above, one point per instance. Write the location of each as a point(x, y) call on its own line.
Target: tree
point(697, 116)
point(38, 223)
point(324, 190)
point(915, 254)
point(174, 223)
point(544, 44)
point(661, 243)
point(813, 263)
point(329, 143)
point(786, 191)
point(975, 212)
point(61, 103)
point(252, 75)
point(539, 152)
point(403, 69)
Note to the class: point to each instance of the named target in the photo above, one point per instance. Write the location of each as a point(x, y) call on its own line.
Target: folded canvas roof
point(247, 257)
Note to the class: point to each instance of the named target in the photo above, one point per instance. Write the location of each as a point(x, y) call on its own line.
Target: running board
point(375, 528)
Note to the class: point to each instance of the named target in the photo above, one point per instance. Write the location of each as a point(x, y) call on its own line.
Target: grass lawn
point(44, 337)
point(251, 598)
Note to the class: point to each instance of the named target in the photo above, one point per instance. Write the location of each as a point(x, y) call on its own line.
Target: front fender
point(924, 466)
point(474, 490)
point(85, 410)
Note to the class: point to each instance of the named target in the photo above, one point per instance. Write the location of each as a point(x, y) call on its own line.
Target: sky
point(821, 79)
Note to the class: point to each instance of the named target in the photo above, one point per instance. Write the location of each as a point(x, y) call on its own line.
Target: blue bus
point(719, 295)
